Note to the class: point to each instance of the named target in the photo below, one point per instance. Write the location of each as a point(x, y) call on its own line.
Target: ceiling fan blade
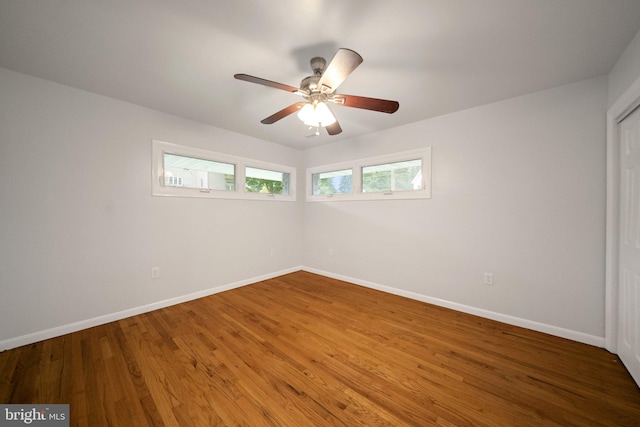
point(334, 128)
point(265, 82)
point(374, 104)
point(283, 113)
point(342, 64)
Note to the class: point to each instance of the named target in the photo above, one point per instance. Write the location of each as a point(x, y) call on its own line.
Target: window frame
point(424, 154)
point(158, 188)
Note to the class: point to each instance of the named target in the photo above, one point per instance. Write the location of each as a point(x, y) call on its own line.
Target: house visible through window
point(182, 171)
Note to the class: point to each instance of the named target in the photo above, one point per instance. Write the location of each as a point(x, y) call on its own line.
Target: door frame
point(626, 104)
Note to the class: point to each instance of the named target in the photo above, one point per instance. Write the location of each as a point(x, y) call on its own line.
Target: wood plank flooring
point(306, 350)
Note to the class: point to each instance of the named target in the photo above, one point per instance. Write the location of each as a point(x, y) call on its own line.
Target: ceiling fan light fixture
point(316, 114)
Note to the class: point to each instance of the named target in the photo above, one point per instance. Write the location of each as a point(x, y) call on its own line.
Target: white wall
point(79, 228)
point(518, 190)
point(626, 71)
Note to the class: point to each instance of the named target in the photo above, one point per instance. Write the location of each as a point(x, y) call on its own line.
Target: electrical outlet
point(155, 272)
point(272, 252)
point(330, 251)
point(488, 279)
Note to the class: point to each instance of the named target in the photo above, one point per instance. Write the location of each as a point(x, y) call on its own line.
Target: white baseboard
point(504, 318)
point(101, 320)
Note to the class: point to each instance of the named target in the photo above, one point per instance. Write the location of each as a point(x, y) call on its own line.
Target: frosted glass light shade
point(316, 115)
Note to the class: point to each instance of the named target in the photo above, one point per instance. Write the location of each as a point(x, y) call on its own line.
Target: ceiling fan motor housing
point(318, 65)
point(310, 84)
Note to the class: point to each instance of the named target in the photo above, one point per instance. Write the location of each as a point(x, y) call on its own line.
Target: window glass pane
point(335, 182)
point(191, 172)
point(398, 176)
point(266, 181)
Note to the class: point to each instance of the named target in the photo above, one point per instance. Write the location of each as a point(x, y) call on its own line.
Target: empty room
point(320, 213)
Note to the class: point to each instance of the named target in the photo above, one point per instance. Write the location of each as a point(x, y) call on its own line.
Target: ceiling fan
point(320, 89)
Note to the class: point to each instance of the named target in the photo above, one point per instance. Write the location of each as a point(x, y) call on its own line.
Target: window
point(334, 182)
point(192, 172)
point(266, 181)
point(182, 171)
point(397, 176)
point(405, 175)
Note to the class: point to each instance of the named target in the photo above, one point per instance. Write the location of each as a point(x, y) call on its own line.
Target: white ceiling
point(433, 56)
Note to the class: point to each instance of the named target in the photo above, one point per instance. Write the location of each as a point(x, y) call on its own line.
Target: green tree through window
point(266, 181)
point(258, 185)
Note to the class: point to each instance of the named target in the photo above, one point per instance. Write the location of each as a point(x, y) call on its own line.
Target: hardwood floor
point(306, 350)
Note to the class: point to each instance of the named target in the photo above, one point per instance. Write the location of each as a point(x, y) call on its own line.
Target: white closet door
point(629, 296)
